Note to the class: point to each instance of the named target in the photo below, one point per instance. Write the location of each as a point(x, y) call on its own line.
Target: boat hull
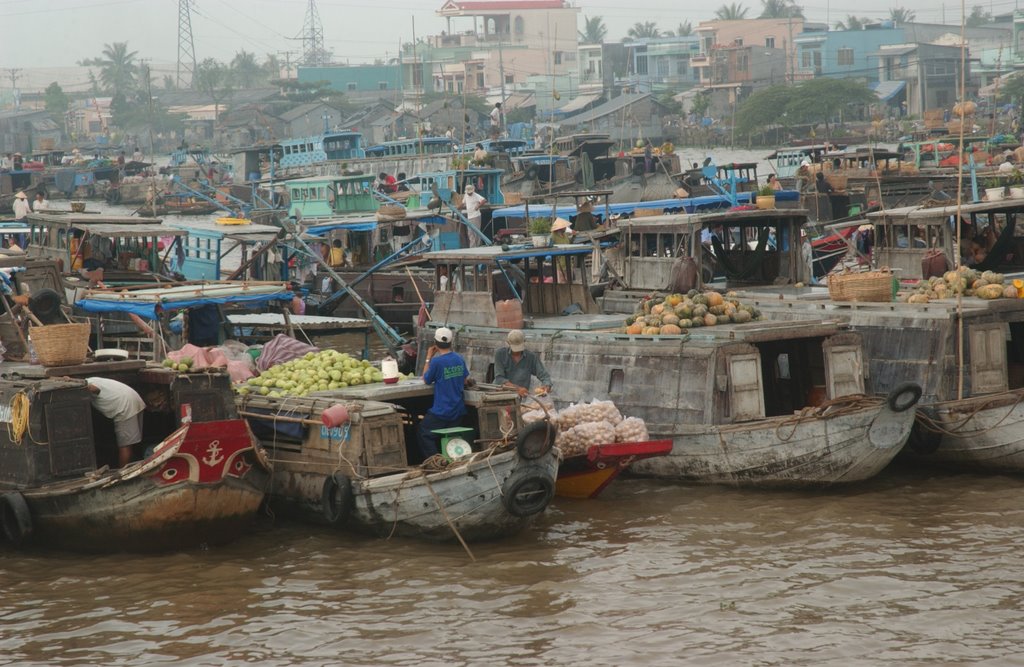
point(851, 441)
point(586, 475)
point(983, 433)
point(202, 485)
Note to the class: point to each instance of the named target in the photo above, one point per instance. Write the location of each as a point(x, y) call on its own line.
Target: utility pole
point(287, 63)
point(501, 73)
point(15, 73)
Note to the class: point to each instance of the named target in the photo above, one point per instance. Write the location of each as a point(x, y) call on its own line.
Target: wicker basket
point(61, 344)
point(391, 213)
point(868, 286)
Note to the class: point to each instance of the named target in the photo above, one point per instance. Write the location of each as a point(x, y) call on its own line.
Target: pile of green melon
point(316, 371)
point(674, 314)
point(966, 282)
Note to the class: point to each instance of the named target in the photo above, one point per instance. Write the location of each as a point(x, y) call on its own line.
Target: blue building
point(355, 78)
point(843, 53)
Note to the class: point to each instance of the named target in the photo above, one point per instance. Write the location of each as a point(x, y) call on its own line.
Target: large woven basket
point(61, 344)
point(867, 286)
point(391, 213)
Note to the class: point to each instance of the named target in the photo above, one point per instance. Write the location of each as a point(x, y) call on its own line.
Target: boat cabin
point(65, 439)
point(307, 151)
point(487, 183)
point(417, 146)
point(255, 162)
point(134, 245)
point(330, 196)
point(989, 238)
point(528, 282)
point(208, 243)
point(343, 145)
point(787, 161)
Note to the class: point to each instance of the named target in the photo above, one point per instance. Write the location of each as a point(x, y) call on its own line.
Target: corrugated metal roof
point(613, 105)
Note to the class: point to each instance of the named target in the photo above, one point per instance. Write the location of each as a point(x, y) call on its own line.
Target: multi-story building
point(768, 33)
point(930, 74)
point(661, 64)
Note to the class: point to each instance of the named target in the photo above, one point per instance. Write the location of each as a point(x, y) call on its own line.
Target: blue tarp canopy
point(320, 230)
point(886, 90)
point(150, 309)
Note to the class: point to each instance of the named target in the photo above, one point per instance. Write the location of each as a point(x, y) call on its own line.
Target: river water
point(913, 567)
point(910, 568)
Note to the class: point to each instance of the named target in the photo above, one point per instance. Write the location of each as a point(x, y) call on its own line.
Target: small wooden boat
point(586, 475)
point(200, 484)
point(356, 475)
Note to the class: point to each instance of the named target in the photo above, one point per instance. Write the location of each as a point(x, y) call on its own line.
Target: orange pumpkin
point(671, 330)
point(714, 298)
point(710, 320)
point(635, 329)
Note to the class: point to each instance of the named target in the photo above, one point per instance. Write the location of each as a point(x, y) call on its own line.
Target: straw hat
point(560, 223)
point(21, 195)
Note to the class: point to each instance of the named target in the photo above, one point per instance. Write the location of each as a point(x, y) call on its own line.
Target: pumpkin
point(1010, 292)
point(714, 298)
point(710, 320)
point(652, 331)
point(699, 311)
point(658, 310)
point(671, 330)
point(674, 299)
point(683, 311)
point(685, 324)
point(918, 298)
point(635, 329)
point(670, 319)
point(741, 317)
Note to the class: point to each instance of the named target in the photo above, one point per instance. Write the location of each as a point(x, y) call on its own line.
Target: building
point(27, 130)
point(767, 33)
point(358, 81)
point(625, 118)
point(661, 64)
point(493, 45)
point(930, 74)
point(843, 53)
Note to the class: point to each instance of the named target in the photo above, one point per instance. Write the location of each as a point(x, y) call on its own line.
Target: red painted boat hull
point(587, 475)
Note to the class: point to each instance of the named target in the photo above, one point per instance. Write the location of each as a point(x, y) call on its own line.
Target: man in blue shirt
point(446, 370)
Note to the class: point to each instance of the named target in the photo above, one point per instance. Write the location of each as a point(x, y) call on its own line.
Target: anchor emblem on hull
point(213, 454)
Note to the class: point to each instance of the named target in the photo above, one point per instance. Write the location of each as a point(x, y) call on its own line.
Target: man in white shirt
point(122, 404)
point(472, 203)
point(40, 204)
point(496, 120)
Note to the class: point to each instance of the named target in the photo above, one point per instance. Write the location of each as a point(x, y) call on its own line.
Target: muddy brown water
point(910, 568)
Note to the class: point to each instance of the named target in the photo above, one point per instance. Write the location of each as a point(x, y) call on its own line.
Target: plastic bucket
point(389, 369)
point(336, 415)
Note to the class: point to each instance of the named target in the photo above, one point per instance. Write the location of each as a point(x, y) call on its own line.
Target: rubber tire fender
point(532, 172)
point(336, 498)
point(527, 492)
point(903, 397)
point(535, 440)
point(16, 519)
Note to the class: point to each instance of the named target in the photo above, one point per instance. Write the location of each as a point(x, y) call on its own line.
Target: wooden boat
point(742, 415)
point(356, 475)
point(201, 483)
point(586, 475)
point(970, 415)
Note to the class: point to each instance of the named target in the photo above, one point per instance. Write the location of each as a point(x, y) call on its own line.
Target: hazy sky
point(58, 33)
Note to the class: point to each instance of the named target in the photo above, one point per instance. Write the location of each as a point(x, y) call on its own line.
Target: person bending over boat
point(446, 370)
point(122, 404)
point(514, 366)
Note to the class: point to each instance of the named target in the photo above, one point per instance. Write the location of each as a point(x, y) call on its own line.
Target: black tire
point(903, 397)
point(531, 173)
point(535, 440)
point(527, 492)
point(16, 519)
point(336, 498)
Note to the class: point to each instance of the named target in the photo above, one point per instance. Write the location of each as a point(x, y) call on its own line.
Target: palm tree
point(117, 67)
point(245, 70)
point(648, 29)
point(852, 23)
point(781, 9)
point(978, 17)
point(271, 67)
point(731, 12)
point(683, 30)
point(901, 15)
point(594, 30)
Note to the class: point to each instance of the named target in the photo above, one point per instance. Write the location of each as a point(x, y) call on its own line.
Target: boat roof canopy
point(79, 219)
point(923, 213)
point(250, 233)
point(496, 254)
point(148, 302)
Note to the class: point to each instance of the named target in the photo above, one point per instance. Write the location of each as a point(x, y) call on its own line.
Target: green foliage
point(732, 12)
point(671, 103)
point(852, 23)
point(901, 15)
point(978, 17)
point(594, 30)
point(645, 30)
point(245, 71)
point(765, 191)
point(809, 102)
point(682, 30)
point(213, 78)
point(701, 103)
point(1012, 89)
point(117, 68)
point(57, 102)
point(540, 226)
point(781, 9)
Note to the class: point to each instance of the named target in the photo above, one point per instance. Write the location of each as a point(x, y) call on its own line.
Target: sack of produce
point(631, 429)
point(580, 437)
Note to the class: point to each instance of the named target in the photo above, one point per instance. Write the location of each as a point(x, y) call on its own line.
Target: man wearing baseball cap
point(447, 372)
point(514, 365)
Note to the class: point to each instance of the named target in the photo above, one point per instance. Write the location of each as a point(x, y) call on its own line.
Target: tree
point(594, 30)
point(731, 12)
point(781, 9)
point(683, 30)
point(117, 67)
point(645, 30)
point(1011, 88)
point(57, 102)
point(809, 102)
point(852, 23)
point(901, 15)
point(213, 78)
point(245, 71)
point(978, 17)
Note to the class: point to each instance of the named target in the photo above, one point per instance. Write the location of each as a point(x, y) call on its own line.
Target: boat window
point(792, 376)
point(988, 351)
point(616, 380)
